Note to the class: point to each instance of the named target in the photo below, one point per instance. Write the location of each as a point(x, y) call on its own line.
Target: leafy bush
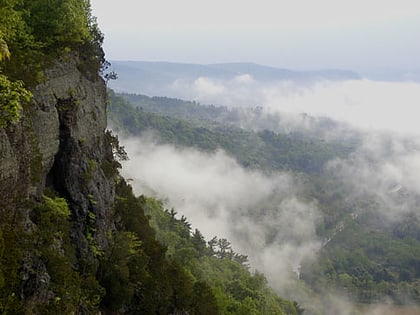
point(12, 96)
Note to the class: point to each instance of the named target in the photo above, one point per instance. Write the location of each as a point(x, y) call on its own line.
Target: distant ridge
point(154, 78)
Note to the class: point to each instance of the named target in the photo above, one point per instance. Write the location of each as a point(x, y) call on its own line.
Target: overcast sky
point(357, 35)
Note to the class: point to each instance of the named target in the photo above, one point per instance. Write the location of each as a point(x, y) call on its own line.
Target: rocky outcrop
point(60, 143)
point(77, 148)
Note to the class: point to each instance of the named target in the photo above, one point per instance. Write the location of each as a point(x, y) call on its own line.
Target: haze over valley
point(298, 172)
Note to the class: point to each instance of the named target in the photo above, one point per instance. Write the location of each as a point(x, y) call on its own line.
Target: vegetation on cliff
point(33, 34)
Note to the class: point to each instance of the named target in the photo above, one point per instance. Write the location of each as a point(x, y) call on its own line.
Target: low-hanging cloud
point(223, 199)
point(369, 105)
point(240, 90)
point(366, 104)
point(385, 169)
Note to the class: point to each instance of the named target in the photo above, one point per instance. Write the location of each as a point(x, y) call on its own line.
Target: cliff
point(59, 145)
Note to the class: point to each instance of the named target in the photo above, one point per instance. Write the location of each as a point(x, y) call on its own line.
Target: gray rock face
point(60, 143)
point(78, 107)
point(8, 161)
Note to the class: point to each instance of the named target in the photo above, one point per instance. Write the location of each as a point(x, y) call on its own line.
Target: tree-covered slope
point(367, 254)
point(203, 128)
point(170, 269)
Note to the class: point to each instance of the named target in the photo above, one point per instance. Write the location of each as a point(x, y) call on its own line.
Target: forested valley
point(364, 253)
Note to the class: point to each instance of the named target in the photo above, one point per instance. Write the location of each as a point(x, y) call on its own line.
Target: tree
point(112, 75)
point(225, 249)
point(199, 243)
point(241, 259)
point(212, 245)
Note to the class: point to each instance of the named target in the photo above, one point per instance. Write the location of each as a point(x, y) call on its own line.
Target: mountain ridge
point(233, 67)
point(157, 78)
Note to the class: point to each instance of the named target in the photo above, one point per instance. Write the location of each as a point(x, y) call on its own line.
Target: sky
point(365, 36)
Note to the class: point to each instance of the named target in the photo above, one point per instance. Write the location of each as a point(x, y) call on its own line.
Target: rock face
point(75, 152)
point(60, 143)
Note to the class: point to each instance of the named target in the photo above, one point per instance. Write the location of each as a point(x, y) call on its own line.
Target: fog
point(365, 104)
point(221, 198)
point(385, 167)
point(268, 217)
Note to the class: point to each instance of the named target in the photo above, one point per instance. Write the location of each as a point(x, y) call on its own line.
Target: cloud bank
point(385, 168)
point(370, 105)
point(262, 216)
point(265, 216)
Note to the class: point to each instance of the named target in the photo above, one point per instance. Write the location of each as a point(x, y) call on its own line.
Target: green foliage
point(35, 33)
point(12, 25)
point(12, 96)
point(57, 23)
point(263, 149)
point(111, 165)
point(142, 276)
point(53, 245)
point(117, 149)
point(134, 270)
point(32, 35)
point(221, 277)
